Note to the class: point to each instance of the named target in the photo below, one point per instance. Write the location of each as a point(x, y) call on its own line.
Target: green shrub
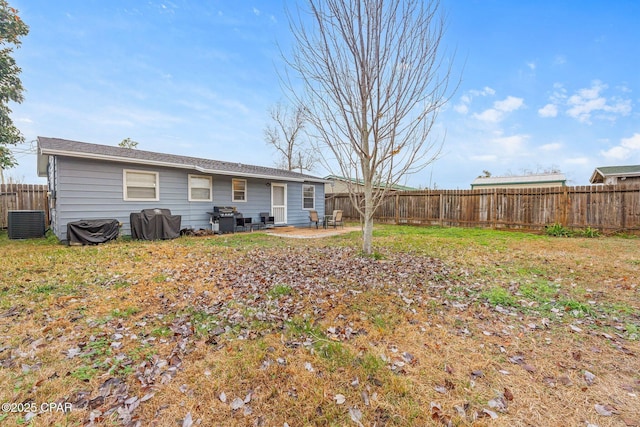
point(589, 232)
point(557, 230)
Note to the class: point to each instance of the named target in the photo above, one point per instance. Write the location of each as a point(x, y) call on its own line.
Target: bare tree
point(373, 82)
point(285, 136)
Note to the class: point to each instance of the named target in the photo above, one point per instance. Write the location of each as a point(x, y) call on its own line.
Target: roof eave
point(93, 156)
point(594, 176)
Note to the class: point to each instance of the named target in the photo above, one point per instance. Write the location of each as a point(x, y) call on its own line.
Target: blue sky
point(544, 84)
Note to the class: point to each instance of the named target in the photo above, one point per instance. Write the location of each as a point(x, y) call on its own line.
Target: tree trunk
point(367, 234)
point(369, 208)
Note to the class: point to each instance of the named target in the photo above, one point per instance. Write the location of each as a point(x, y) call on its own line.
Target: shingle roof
point(522, 179)
point(602, 171)
point(64, 147)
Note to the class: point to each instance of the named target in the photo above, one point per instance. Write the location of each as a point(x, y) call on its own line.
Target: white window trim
point(314, 197)
point(210, 188)
point(134, 199)
point(246, 191)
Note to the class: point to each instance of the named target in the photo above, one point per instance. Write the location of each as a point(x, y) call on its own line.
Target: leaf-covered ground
point(440, 327)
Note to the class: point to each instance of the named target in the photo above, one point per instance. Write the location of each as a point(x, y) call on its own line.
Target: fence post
point(565, 206)
point(495, 208)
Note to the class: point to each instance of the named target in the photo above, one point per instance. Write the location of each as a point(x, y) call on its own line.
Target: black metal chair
point(267, 220)
point(242, 222)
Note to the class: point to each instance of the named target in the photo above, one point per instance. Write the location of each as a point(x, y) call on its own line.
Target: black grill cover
point(92, 232)
point(155, 224)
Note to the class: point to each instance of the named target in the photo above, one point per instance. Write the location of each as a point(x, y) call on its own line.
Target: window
point(141, 185)
point(239, 188)
point(308, 196)
point(200, 188)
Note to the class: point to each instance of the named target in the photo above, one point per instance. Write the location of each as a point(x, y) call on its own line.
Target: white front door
point(279, 203)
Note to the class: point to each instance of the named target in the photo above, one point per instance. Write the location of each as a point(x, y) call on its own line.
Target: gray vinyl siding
point(296, 214)
point(92, 189)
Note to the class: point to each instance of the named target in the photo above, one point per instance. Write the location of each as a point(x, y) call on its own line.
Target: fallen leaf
point(508, 394)
point(365, 397)
point(188, 421)
point(340, 399)
point(441, 389)
point(491, 414)
point(589, 377)
point(497, 403)
point(565, 380)
point(237, 403)
point(223, 397)
point(603, 410)
point(356, 416)
point(477, 374)
point(146, 397)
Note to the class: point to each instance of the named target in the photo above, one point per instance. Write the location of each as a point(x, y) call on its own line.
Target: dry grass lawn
point(441, 327)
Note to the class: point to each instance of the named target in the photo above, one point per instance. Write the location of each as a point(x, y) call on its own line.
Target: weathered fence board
point(22, 197)
point(607, 208)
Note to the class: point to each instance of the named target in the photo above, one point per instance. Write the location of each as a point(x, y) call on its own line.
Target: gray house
point(91, 181)
point(616, 175)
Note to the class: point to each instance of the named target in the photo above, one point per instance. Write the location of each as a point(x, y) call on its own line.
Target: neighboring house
point(90, 181)
point(615, 175)
point(339, 184)
point(524, 181)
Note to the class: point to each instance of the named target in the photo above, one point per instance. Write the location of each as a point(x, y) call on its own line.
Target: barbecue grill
point(225, 216)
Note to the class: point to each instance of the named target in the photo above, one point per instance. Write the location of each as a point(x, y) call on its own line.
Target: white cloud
point(467, 97)
point(499, 110)
point(559, 60)
point(589, 101)
point(633, 142)
point(549, 110)
point(510, 144)
point(486, 91)
point(490, 115)
point(256, 11)
point(531, 65)
point(551, 147)
point(616, 153)
point(510, 103)
point(625, 149)
point(461, 108)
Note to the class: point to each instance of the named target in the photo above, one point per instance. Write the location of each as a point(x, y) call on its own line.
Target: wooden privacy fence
point(607, 208)
point(22, 197)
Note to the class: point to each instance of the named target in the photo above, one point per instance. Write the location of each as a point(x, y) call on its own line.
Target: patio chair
point(242, 222)
point(313, 217)
point(267, 220)
point(335, 219)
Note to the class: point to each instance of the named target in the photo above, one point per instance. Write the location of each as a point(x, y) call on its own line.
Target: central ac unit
point(26, 224)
